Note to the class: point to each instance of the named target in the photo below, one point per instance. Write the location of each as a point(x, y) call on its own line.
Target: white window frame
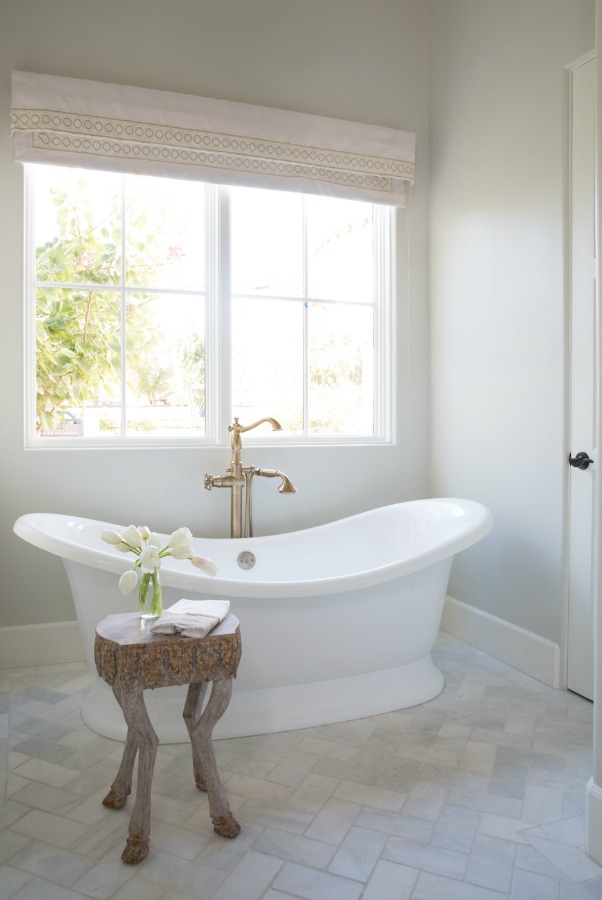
point(218, 344)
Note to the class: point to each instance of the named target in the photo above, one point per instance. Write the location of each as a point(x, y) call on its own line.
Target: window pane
point(340, 369)
point(267, 242)
point(339, 250)
point(267, 362)
point(165, 364)
point(78, 358)
point(77, 226)
point(164, 233)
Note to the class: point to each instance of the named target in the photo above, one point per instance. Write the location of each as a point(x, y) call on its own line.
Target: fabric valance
point(68, 121)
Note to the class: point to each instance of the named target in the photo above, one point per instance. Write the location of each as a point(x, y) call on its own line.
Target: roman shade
point(69, 121)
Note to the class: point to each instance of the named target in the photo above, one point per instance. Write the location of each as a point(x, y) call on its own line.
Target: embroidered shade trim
point(91, 124)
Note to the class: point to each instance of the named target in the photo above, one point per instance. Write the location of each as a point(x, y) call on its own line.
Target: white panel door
point(582, 543)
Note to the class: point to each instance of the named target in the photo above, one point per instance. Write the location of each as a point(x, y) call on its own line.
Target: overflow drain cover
point(246, 559)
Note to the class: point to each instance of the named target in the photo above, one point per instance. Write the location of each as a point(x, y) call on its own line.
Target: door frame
point(594, 785)
point(569, 372)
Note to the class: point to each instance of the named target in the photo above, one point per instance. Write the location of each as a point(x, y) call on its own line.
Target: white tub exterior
point(337, 622)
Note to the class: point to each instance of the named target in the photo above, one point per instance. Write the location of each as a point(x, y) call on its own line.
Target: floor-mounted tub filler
point(337, 621)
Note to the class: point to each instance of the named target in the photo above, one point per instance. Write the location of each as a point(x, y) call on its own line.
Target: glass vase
point(150, 595)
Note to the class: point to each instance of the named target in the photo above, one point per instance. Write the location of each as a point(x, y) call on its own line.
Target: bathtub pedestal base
point(274, 709)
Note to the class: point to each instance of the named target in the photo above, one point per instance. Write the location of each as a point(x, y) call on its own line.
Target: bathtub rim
point(477, 522)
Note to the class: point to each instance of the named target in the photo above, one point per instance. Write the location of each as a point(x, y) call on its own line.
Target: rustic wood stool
point(130, 658)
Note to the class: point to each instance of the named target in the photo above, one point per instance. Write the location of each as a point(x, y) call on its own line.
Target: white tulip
point(111, 537)
point(132, 536)
point(207, 565)
point(149, 559)
point(155, 539)
point(182, 551)
point(179, 537)
point(128, 581)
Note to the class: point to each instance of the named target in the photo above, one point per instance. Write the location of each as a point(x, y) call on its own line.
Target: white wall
point(344, 58)
point(498, 138)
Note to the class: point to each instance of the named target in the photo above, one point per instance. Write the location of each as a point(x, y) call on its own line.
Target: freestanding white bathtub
point(337, 622)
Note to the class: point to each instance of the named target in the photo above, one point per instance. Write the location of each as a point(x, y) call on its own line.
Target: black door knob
point(580, 461)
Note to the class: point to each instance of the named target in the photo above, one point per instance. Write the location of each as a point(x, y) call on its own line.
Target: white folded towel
point(192, 618)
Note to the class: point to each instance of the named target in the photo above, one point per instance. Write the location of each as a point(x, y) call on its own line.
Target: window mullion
point(122, 300)
point(305, 321)
point(384, 382)
point(31, 306)
point(223, 339)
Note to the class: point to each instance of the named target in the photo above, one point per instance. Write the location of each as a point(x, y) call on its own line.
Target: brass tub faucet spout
point(240, 478)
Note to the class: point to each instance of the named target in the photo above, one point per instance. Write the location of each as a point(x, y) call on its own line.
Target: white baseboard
point(40, 645)
point(528, 652)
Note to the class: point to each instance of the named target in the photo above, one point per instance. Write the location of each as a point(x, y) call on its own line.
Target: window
point(161, 308)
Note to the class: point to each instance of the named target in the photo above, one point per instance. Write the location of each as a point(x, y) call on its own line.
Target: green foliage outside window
point(81, 340)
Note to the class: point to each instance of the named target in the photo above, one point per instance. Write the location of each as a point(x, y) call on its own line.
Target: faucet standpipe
point(242, 477)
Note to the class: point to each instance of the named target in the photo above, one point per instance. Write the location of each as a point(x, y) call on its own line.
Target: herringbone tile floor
point(477, 795)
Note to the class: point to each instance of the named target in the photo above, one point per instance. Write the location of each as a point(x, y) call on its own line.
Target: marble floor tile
point(425, 800)
point(436, 887)
point(293, 768)
point(566, 831)
point(333, 821)
point(41, 889)
point(491, 863)
point(295, 848)
point(310, 884)
point(46, 772)
point(505, 828)
point(346, 770)
point(368, 795)
point(11, 881)
point(192, 879)
point(358, 854)
point(426, 857)
point(104, 879)
point(44, 860)
point(43, 796)
point(390, 881)
point(313, 792)
point(395, 824)
point(250, 878)
point(529, 885)
point(456, 829)
point(42, 826)
point(571, 861)
point(271, 815)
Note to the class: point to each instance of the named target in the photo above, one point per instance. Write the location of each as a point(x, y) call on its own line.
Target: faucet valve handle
point(208, 482)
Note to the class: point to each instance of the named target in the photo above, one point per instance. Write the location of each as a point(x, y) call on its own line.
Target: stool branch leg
point(200, 727)
point(143, 733)
point(192, 713)
point(122, 786)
